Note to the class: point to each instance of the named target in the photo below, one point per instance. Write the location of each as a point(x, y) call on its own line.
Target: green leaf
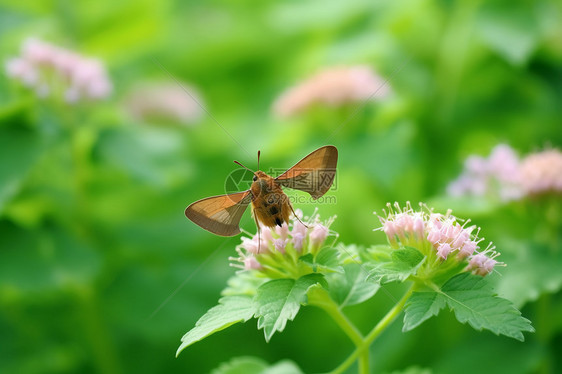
point(350, 253)
point(320, 297)
point(279, 300)
point(242, 283)
point(241, 365)
point(44, 261)
point(326, 260)
point(381, 252)
point(20, 148)
point(402, 264)
point(510, 31)
point(254, 365)
point(353, 286)
point(422, 306)
point(413, 370)
point(473, 301)
point(231, 310)
point(534, 269)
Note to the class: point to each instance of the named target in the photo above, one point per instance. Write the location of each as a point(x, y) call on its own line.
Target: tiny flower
point(47, 69)
point(282, 231)
point(483, 263)
point(298, 241)
point(250, 263)
point(443, 250)
point(419, 227)
point(280, 245)
point(390, 230)
point(279, 250)
point(156, 101)
point(298, 226)
point(441, 237)
point(250, 245)
point(318, 234)
point(331, 87)
point(266, 234)
point(467, 249)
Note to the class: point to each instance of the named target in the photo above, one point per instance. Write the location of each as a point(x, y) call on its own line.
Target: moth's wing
point(313, 174)
point(220, 214)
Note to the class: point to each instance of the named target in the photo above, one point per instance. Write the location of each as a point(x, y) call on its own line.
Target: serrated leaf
point(420, 307)
point(472, 300)
point(319, 296)
point(353, 286)
point(402, 264)
point(350, 253)
point(326, 260)
point(380, 252)
point(279, 301)
point(254, 365)
point(230, 310)
point(242, 283)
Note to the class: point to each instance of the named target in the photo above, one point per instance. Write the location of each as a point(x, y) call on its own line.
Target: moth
point(270, 205)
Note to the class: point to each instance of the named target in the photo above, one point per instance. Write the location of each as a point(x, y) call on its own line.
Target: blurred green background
point(100, 272)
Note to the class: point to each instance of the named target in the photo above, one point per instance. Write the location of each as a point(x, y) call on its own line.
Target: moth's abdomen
point(272, 210)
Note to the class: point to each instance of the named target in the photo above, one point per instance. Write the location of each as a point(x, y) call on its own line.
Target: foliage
point(101, 272)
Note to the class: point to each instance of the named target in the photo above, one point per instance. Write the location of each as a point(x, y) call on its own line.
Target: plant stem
point(96, 332)
point(364, 362)
point(330, 307)
point(389, 317)
point(362, 351)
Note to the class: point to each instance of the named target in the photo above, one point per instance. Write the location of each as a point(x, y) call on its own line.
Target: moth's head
point(260, 175)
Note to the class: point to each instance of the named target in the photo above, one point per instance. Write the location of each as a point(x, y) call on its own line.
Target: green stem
point(364, 362)
point(362, 351)
point(543, 309)
point(330, 307)
point(96, 333)
point(389, 317)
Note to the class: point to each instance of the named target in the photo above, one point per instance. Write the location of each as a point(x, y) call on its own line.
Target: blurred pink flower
point(49, 69)
point(503, 175)
point(332, 87)
point(498, 175)
point(541, 172)
point(165, 101)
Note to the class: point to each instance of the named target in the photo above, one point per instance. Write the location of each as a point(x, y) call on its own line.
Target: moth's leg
point(259, 230)
point(295, 214)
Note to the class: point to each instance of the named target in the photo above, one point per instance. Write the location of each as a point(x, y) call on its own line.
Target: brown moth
point(270, 205)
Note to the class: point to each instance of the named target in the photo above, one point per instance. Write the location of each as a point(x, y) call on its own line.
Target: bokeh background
point(100, 272)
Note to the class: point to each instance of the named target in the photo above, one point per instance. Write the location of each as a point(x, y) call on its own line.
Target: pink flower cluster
point(436, 235)
point(541, 172)
point(298, 240)
point(497, 175)
point(503, 175)
point(165, 101)
point(331, 87)
point(51, 70)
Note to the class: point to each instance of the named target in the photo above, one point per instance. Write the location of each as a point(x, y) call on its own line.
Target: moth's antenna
point(236, 162)
point(259, 160)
